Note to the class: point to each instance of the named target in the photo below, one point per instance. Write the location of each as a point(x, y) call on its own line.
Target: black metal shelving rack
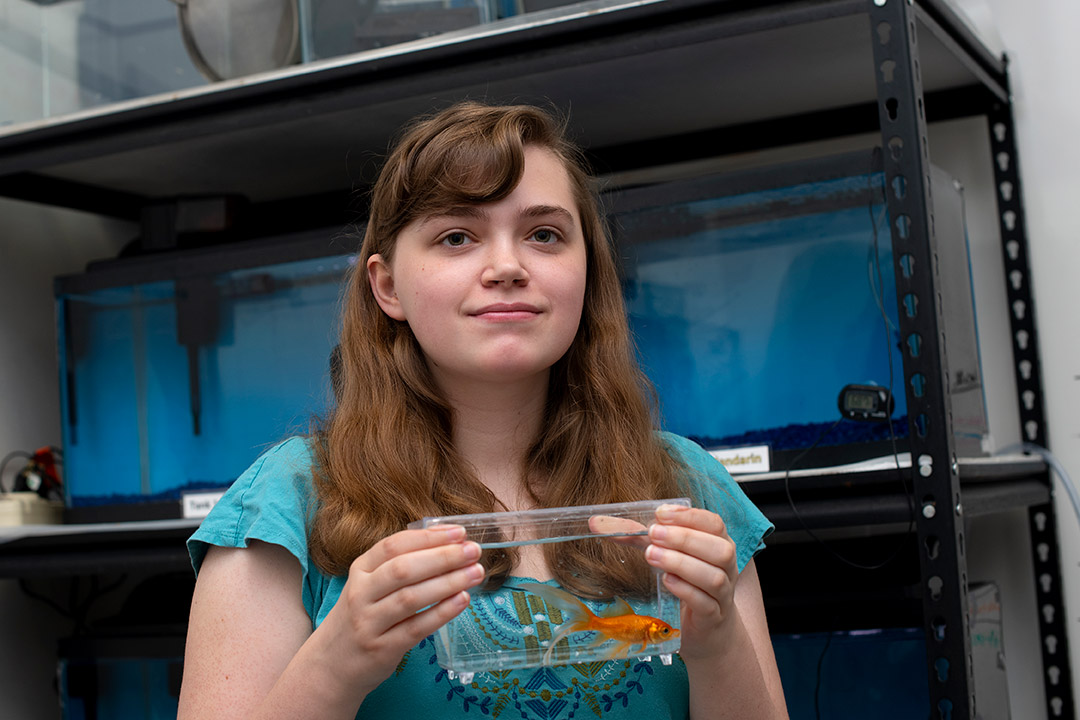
point(648, 83)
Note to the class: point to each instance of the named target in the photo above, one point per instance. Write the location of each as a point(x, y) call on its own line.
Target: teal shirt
point(271, 502)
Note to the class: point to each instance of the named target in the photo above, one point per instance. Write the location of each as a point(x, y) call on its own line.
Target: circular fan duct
point(232, 38)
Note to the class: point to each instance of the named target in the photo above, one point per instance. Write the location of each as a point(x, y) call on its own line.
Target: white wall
point(1040, 38)
point(36, 244)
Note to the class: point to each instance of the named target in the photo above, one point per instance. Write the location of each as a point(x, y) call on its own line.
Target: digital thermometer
point(871, 403)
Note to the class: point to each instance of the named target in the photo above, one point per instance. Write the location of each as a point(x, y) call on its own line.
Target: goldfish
point(618, 622)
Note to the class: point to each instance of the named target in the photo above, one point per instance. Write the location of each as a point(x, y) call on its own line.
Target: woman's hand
point(693, 550)
point(251, 652)
point(400, 591)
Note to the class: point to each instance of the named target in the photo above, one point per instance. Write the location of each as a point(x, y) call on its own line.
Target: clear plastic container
point(525, 623)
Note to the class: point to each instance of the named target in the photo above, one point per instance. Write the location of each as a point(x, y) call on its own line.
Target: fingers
point(694, 532)
point(421, 570)
point(693, 549)
point(608, 525)
point(408, 541)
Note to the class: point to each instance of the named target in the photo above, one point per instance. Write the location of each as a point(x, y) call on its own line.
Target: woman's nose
point(504, 265)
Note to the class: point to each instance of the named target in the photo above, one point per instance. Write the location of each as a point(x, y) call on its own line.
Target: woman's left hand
point(693, 550)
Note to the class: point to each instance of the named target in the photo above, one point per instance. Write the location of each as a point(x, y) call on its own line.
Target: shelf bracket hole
point(922, 424)
point(918, 384)
point(1018, 309)
point(907, 265)
point(1025, 369)
point(884, 29)
point(935, 584)
point(1044, 552)
point(1022, 338)
point(899, 187)
point(1048, 612)
point(1013, 248)
point(1016, 279)
point(1032, 429)
point(914, 342)
point(938, 629)
point(1051, 644)
point(892, 108)
point(1003, 161)
point(903, 226)
point(944, 707)
point(941, 668)
point(1029, 399)
point(1006, 189)
point(887, 68)
point(933, 547)
point(896, 147)
point(911, 305)
point(1046, 581)
point(1010, 219)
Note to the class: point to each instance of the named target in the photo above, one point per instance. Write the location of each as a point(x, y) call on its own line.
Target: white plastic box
point(525, 623)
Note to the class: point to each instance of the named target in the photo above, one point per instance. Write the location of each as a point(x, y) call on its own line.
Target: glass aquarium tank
point(177, 373)
point(64, 57)
point(755, 297)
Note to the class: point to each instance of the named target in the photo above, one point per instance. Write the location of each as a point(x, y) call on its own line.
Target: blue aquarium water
point(878, 674)
point(139, 427)
point(755, 297)
point(119, 688)
point(751, 311)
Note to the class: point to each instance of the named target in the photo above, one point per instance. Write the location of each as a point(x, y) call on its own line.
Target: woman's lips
point(507, 312)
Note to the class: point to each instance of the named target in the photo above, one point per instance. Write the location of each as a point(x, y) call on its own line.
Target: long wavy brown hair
point(384, 455)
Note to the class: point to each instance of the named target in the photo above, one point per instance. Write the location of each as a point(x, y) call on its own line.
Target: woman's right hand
point(251, 652)
point(403, 589)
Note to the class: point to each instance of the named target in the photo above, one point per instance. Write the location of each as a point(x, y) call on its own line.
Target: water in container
point(519, 621)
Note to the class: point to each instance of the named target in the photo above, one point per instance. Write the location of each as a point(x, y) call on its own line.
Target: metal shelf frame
point(939, 523)
point(91, 162)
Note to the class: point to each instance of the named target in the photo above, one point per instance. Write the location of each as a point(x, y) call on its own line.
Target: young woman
point(486, 365)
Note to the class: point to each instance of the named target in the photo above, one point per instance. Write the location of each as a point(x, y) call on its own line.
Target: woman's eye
point(455, 239)
point(545, 236)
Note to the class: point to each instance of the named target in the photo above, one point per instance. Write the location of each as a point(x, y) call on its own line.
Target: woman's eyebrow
point(478, 213)
point(548, 210)
point(470, 211)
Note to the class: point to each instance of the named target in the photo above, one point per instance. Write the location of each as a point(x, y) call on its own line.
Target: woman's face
point(492, 292)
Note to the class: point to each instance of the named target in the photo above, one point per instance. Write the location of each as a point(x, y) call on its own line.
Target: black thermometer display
point(865, 402)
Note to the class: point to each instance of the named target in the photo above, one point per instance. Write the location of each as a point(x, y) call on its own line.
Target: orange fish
point(618, 622)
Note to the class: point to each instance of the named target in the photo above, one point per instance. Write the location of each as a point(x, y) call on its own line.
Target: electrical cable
point(892, 433)
point(1055, 464)
point(8, 458)
point(77, 610)
point(817, 683)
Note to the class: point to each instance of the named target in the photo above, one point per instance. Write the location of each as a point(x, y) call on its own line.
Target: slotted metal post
point(1057, 675)
point(936, 482)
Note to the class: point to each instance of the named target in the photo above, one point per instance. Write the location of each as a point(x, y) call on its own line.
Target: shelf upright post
point(936, 480)
point(1057, 675)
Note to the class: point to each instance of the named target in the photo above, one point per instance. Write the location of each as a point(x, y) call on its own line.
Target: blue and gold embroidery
point(512, 619)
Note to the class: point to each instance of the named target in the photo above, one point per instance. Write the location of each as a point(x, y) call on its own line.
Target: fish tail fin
point(574, 611)
point(576, 615)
